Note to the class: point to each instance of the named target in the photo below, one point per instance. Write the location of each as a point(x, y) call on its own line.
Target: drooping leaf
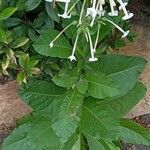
point(131, 132)
point(35, 136)
point(66, 77)
point(124, 70)
point(67, 113)
point(95, 144)
point(105, 113)
point(61, 48)
point(39, 94)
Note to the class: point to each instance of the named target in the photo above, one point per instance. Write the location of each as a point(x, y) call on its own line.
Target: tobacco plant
point(64, 55)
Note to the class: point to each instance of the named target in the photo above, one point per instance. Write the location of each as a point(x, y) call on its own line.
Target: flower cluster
point(95, 10)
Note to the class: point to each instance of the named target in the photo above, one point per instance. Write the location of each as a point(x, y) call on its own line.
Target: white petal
point(93, 59)
point(72, 57)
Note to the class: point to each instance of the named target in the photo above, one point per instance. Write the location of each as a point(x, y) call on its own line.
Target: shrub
point(65, 59)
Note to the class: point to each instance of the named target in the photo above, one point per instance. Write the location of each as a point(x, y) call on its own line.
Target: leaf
point(3, 36)
point(12, 21)
point(35, 136)
point(53, 13)
point(40, 94)
point(20, 42)
point(67, 113)
point(123, 104)
point(97, 120)
point(66, 77)
point(60, 49)
point(100, 86)
point(70, 143)
point(105, 113)
point(21, 77)
point(6, 13)
point(124, 70)
point(31, 5)
point(95, 144)
point(131, 132)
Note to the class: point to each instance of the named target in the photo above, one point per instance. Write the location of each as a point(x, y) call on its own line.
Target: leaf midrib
point(128, 69)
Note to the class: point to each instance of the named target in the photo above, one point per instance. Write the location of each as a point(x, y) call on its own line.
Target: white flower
point(93, 58)
point(125, 33)
point(65, 14)
point(51, 44)
point(112, 5)
point(123, 7)
point(100, 10)
point(72, 57)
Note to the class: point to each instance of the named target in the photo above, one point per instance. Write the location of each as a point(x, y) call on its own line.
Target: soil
point(11, 107)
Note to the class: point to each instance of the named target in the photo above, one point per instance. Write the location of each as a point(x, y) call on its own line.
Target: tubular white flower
point(65, 14)
point(52, 42)
point(81, 13)
point(125, 33)
point(93, 58)
point(72, 57)
point(123, 7)
point(101, 12)
point(97, 37)
point(112, 5)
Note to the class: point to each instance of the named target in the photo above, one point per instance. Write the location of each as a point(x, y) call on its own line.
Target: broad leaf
point(131, 132)
point(39, 94)
point(66, 77)
point(30, 4)
point(95, 144)
point(35, 136)
point(100, 86)
point(61, 48)
point(70, 143)
point(67, 113)
point(105, 113)
point(124, 70)
point(97, 120)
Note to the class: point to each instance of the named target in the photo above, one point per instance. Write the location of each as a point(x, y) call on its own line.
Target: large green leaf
point(6, 13)
point(95, 144)
point(99, 86)
point(66, 114)
point(100, 118)
point(39, 94)
point(30, 4)
point(66, 77)
point(61, 48)
point(131, 132)
point(32, 136)
point(124, 70)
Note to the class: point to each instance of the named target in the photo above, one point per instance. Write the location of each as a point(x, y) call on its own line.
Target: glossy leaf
point(6, 13)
